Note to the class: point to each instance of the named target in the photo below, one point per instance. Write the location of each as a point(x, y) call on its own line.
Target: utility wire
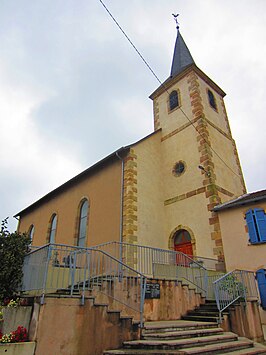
point(132, 44)
point(162, 84)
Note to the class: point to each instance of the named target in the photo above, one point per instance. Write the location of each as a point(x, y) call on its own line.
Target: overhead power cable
point(162, 84)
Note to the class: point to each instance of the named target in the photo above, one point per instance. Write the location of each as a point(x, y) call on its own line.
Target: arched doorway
point(182, 242)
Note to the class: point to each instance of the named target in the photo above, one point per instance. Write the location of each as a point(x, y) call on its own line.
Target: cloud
point(73, 89)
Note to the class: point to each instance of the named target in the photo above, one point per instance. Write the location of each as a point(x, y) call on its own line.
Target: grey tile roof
point(182, 57)
point(249, 198)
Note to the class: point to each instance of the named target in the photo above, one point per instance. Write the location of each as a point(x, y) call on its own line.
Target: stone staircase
point(187, 337)
point(207, 312)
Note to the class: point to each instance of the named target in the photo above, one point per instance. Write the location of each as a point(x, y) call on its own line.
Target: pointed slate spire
point(182, 57)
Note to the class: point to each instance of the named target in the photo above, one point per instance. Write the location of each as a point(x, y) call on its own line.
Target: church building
point(161, 190)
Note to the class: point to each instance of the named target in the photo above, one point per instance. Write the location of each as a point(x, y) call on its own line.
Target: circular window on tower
point(179, 168)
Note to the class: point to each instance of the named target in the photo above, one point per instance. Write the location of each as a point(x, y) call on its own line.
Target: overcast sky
point(72, 89)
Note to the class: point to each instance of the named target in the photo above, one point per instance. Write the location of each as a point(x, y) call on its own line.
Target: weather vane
point(175, 18)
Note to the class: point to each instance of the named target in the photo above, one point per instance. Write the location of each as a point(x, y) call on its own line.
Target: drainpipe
point(18, 219)
point(121, 205)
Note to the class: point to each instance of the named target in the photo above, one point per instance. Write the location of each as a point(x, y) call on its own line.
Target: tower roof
point(182, 57)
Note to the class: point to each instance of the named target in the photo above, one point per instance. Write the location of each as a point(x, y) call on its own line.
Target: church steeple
point(182, 57)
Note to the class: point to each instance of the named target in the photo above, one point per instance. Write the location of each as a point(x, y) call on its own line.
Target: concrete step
point(219, 348)
point(182, 334)
point(203, 312)
point(239, 347)
point(63, 295)
point(203, 309)
point(207, 308)
point(201, 318)
point(256, 349)
point(143, 352)
point(234, 347)
point(171, 326)
point(187, 337)
point(181, 343)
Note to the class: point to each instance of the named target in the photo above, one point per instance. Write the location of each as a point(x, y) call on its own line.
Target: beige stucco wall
point(169, 121)
point(150, 212)
point(191, 215)
point(190, 197)
point(156, 218)
point(156, 183)
point(181, 147)
point(239, 253)
point(65, 327)
point(217, 117)
point(225, 165)
point(102, 189)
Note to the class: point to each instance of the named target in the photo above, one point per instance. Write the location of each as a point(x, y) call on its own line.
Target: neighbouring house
point(161, 190)
point(243, 228)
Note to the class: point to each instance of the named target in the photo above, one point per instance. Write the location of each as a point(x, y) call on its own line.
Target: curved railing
point(237, 285)
point(89, 272)
point(162, 263)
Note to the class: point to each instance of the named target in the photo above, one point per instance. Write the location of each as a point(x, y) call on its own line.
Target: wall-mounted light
point(205, 171)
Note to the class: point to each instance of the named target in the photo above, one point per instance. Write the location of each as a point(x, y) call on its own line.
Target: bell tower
point(200, 164)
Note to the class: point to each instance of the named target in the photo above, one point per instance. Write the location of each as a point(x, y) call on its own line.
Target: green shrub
point(13, 248)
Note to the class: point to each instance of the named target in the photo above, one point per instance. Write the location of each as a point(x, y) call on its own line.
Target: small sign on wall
point(152, 291)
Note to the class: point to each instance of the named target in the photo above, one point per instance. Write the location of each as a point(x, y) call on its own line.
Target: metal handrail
point(161, 263)
point(195, 259)
point(145, 247)
point(192, 258)
point(233, 286)
point(59, 266)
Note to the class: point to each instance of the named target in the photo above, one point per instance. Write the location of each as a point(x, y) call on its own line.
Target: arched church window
point(53, 225)
point(83, 218)
point(31, 233)
point(173, 100)
point(212, 100)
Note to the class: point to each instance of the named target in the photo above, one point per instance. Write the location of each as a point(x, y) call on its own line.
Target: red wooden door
point(185, 248)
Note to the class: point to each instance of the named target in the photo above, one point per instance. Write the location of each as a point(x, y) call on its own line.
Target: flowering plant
point(6, 338)
point(13, 303)
point(17, 336)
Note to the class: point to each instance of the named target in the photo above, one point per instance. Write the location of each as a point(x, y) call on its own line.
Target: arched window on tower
point(212, 100)
point(173, 100)
point(83, 218)
point(31, 233)
point(52, 228)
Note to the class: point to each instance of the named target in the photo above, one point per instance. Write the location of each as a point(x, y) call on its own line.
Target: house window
point(53, 229)
point(173, 100)
point(83, 223)
point(212, 100)
point(256, 222)
point(31, 233)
